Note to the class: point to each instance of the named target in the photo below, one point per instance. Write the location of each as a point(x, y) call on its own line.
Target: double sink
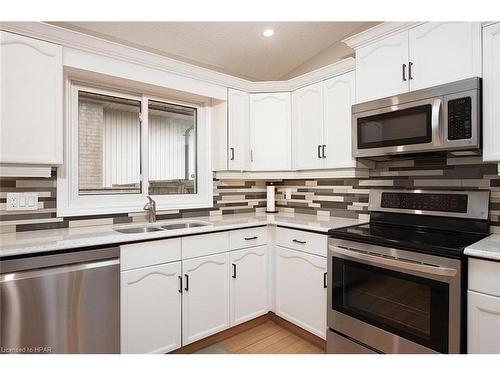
point(172, 226)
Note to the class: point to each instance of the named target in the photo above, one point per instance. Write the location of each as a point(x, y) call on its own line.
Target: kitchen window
point(122, 147)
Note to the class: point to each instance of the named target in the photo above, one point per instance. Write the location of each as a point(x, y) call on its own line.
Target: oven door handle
point(375, 260)
point(436, 122)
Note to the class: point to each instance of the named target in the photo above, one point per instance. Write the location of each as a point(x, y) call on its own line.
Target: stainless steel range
point(397, 284)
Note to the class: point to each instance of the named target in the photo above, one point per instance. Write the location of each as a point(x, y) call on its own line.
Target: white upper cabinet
point(338, 98)
point(443, 52)
point(31, 95)
point(270, 131)
point(239, 131)
point(307, 127)
point(205, 302)
point(249, 284)
point(321, 124)
point(381, 68)
point(151, 309)
point(491, 92)
point(422, 56)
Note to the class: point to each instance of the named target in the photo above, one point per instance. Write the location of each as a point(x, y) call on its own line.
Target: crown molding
point(377, 33)
point(90, 44)
point(489, 23)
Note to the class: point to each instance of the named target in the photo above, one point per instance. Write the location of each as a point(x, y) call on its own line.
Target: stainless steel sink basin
point(184, 225)
point(138, 230)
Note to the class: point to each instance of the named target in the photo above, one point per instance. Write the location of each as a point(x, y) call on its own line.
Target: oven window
point(409, 306)
point(397, 128)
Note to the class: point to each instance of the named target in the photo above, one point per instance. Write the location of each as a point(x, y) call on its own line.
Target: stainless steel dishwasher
point(61, 303)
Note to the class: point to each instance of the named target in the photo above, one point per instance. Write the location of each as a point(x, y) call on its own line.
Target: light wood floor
point(267, 338)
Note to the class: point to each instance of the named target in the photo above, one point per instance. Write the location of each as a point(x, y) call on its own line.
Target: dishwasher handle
point(65, 258)
point(49, 271)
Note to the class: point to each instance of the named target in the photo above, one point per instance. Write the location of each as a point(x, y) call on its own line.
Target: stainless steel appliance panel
point(337, 344)
point(438, 98)
point(430, 267)
point(70, 307)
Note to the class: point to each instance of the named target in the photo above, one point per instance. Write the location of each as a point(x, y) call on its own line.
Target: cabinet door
point(249, 284)
point(338, 97)
point(301, 289)
point(205, 303)
point(239, 131)
point(483, 323)
point(380, 68)
point(491, 92)
point(270, 129)
point(151, 309)
point(307, 127)
point(442, 52)
point(31, 101)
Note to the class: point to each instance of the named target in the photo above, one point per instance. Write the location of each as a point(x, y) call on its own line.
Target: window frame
point(70, 203)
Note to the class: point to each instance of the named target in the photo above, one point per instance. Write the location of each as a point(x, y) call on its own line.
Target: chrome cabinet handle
point(324, 281)
point(251, 238)
point(180, 284)
point(186, 288)
point(251, 156)
point(323, 151)
point(299, 241)
point(319, 151)
point(409, 70)
point(234, 271)
point(232, 153)
point(403, 72)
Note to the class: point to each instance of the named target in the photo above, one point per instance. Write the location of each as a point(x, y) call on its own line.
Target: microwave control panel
point(460, 118)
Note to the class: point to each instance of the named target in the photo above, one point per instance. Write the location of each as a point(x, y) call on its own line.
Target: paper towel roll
point(270, 199)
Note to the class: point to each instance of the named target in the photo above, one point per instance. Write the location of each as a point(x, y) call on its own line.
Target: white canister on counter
point(271, 204)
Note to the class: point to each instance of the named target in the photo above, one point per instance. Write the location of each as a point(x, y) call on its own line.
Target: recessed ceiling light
point(268, 32)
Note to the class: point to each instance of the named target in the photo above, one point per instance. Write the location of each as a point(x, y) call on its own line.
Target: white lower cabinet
point(483, 307)
point(151, 309)
point(249, 284)
point(205, 302)
point(301, 289)
point(483, 323)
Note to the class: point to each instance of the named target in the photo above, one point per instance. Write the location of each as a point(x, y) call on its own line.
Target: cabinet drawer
point(308, 242)
point(239, 239)
point(149, 253)
point(204, 244)
point(484, 276)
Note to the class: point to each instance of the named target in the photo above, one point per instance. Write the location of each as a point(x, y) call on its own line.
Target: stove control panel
point(425, 202)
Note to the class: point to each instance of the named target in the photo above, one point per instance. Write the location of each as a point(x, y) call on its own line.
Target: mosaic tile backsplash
point(335, 197)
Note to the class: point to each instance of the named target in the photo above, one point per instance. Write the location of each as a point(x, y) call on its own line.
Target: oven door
point(410, 127)
point(394, 301)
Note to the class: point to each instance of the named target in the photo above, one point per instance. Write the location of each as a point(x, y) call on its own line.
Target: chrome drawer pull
point(251, 238)
point(301, 242)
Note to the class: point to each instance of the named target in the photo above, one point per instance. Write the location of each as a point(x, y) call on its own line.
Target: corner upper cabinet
point(381, 68)
point(443, 52)
point(307, 127)
point(491, 92)
point(338, 98)
point(238, 130)
point(270, 131)
point(31, 100)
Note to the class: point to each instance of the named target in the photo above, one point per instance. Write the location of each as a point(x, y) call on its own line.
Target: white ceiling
point(236, 48)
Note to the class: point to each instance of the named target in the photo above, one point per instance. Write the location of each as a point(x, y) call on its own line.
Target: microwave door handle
point(436, 122)
point(375, 260)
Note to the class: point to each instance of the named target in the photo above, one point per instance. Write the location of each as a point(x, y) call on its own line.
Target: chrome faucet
point(151, 208)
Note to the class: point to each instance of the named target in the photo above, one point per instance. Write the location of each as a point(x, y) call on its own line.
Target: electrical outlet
point(288, 193)
point(22, 202)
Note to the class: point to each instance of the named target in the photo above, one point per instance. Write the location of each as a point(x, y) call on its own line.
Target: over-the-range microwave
point(440, 118)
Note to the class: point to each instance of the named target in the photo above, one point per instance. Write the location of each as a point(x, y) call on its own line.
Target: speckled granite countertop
point(24, 243)
point(487, 248)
